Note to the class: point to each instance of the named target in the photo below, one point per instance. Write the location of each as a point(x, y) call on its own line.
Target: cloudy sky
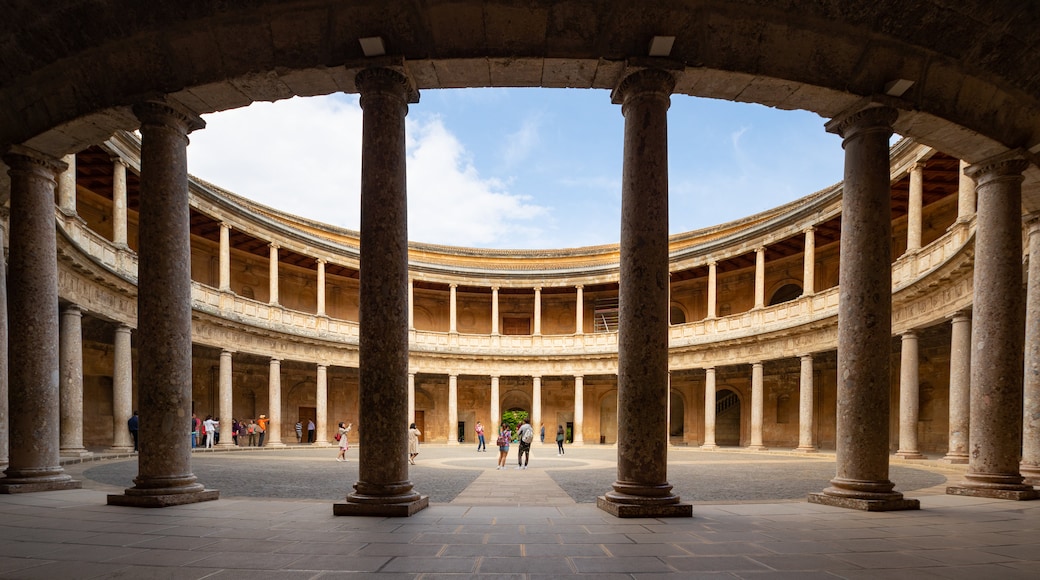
point(517, 168)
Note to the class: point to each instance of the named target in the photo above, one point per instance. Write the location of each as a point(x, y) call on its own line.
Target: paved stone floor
point(274, 520)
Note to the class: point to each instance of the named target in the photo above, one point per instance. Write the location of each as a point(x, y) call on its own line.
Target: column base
point(28, 486)
point(867, 505)
point(757, 448)
point(649, 508)
point(707, 447)
point(806, 449)
point(1030, 473)
point(120, 449)
point(955, 458)
point(77, 453)
point(909, 455)
point(393, 510)
point(1012, 494)
point(160, 500)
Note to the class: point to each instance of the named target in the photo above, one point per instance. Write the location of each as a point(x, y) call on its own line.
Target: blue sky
point(517, 168)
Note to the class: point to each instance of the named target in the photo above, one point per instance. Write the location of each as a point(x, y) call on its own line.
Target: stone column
point(642, 488)
point(864, 317)
point(321, 397)
point(32, 308)
point(965, 194)
point(411, 304)
point(321, 288)
point(411, 398)
point(494, 310)
point(809, 263)
point(913, 216)
point(225, 400)
point(760, 277)
point(119, 235)
point(536, 402)
point(453, 409)
point(225, 256)
point(537, 311)
point(273, 436)
point(4, 368)
point(1031, 401)
point(453, 309)
point(496, 413)
point(960, 379)
point(709, 409)
point(713, 269)
point(383, 487)
point(757, 407)
point(70, 350)
point(164, 314)
point(122, 391)
point(273, 273)
point(909, 397)
point(579, 310)
point(806, 442)
point(995, 432)
point(579, 410)
point(67, 186)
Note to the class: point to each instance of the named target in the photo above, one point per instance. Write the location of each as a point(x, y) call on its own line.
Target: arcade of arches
point(163, 293)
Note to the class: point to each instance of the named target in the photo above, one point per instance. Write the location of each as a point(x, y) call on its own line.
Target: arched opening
point(676, 416)
point(785, 293)
point(727, 418)
point(608, 418)
point(677, 315)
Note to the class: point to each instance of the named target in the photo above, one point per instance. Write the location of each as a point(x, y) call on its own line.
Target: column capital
point(275, 360)
point(760, 249)
point(117, 160)
point(495, 288)
point(960, 315)
point(22, 158)
point(868, 116)
point(72, 308)
point(226, 225)
point(806, 356)
point(1007, 165)
point(388, 81)
point(579, 286)
point(537, 288)
point(918, 165)
point(273, 245)
point(453, 285)
point(168, 113)
point(321, 366)
point(643, 81)
point(321, 261)
point(227, 352)
point(910, 333)
point(809, 230)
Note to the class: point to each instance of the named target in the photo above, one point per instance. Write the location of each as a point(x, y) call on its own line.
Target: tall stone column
point(320, 289)
point(494, 310)
point(67, 186)
point(453, 308)
point(536, 402)
point(909, 397)
point(713, 287)
point(809, 263)
point(273, 274)
point(864, 317)
point(321, 397)
point(642, 488)
point(760, 277)
point(122, 391)
point(4, 423)
point(70, 350)
point(32, 308)
point(411, 304)
point(998, 335)
point(965, 194)
point(119, 235)
point(709, 409)
point(164, 314)
point(411, 398)
point(1031, 402)
point(806, 421)
point(496, 413)
point(225, 256)
point(273, 436)
point(225, 400)
point(453, 409)
point(757, 407)
point(960, 380)
point(579, 410)
point(383, 487)
point(579, 310)
point(914, 203)
point(537, 311)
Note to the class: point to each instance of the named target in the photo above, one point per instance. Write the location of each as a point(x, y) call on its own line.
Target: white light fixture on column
point(897, 87)
point(372, 46)
point(661, 45)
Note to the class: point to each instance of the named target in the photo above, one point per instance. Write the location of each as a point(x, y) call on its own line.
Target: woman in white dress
point(344, 443)
point(413, 443)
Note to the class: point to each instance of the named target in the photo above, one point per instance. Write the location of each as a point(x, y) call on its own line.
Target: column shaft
point(1031, 395)
point(71, 373)
point(453, 409)
point(32, 308)
point(537, 311)
point(411, 398)
point(383, 487)
point(496, 413)
point(273, 274)
point(998, 318)
point(909, 397)
point(453, 309)
point(760, 278)
point(965, 194)
point(119, 234)
point(225, 400)
point(494, 310)
point(273, 436)
point(757, 406)
point(320, 288)
point(322, 403)
point(709, 409)
point(864, 318)
point(579, 311)
point(642, 488)
point(536, 402)
point(122, 390)
point(713, 269)
point(67, 185)
point(164, 314)
point(913, 216)
point(806, 441)
point(579, 410)
point(809, 263)
point(225, 257)
point(4, 368)
point(960, 380)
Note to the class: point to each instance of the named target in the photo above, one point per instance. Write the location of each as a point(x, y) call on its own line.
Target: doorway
point(727, 418)
point(420, 424)
point(308, 414)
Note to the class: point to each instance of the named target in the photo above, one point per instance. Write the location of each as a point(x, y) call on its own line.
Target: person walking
point(526, 436)
point(299, 432)
point(343, 439)
point(132, 424)
point(503, 445)
point(481, 446)
point(413, 443)
point(559, 440)
point(541, 434)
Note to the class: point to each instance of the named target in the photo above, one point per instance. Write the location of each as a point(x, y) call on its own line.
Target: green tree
point(512, 420)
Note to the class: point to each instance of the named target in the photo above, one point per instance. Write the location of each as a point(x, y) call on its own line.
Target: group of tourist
point(524, 435)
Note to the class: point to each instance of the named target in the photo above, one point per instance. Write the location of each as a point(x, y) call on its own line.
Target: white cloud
point(520, 143)
point(303, 156)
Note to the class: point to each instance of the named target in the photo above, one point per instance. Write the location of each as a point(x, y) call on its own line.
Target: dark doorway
point(308, 414)
point(727, 418)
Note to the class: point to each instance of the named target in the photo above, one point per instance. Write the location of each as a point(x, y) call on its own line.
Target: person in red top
point(480, 437)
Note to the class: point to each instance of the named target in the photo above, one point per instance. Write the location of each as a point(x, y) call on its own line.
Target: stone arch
point(677, 314)
point(516, 399)
point(422, 318)
point(785, 291)
point(608, 423)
